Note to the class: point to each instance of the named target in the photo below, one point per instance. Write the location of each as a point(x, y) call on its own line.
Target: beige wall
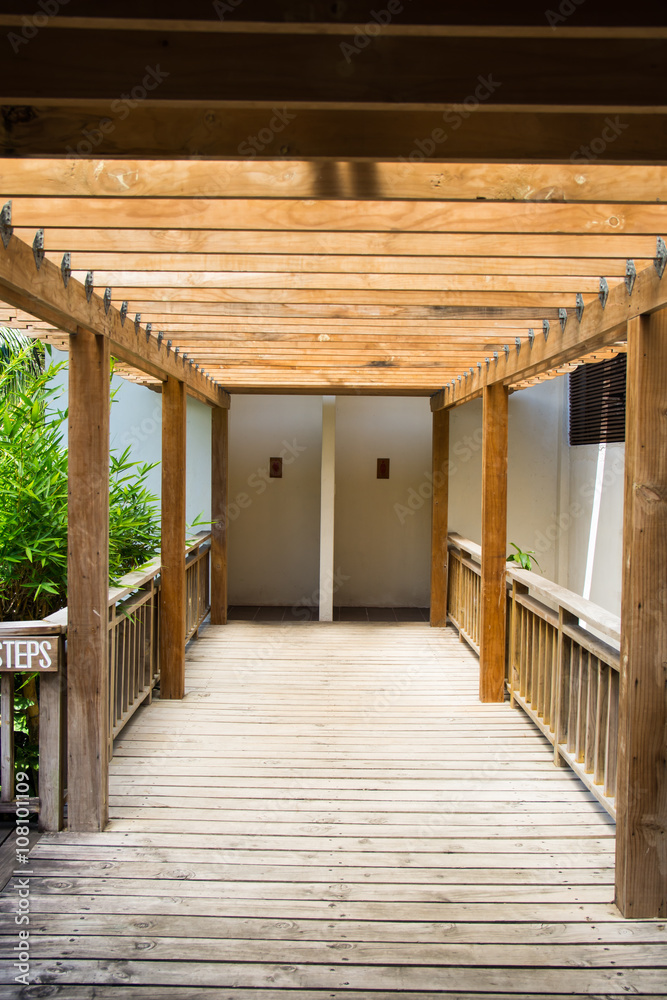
point(274, 524)
point(382, 526)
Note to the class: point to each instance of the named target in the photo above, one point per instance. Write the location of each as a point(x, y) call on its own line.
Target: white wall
point(274, 524)
point(382, 543)
point(136, 420)
point(532, 487)
point(607, 543)
point(550, 490)
point(383, 526)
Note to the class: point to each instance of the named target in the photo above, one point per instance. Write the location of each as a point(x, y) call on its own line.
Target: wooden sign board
point(30, 655)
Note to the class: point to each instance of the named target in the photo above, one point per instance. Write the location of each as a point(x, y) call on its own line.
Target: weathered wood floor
point(330, 814)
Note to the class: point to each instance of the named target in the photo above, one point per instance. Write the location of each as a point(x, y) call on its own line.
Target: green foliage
point(134, 521)
point(33, 491)
point(525, 558)
point(33, 511)
point(26, 751)
point(33, 494)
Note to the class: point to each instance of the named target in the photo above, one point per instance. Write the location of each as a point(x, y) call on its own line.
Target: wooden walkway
point(331, 814)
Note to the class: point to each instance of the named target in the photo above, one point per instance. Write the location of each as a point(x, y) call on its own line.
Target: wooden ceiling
point(345, 255)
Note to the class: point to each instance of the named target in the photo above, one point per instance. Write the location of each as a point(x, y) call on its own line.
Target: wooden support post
point(494, 544)
point(641, 830)
point(439, 517)
point(88, 583)
point(219, 489)
point(172, 603)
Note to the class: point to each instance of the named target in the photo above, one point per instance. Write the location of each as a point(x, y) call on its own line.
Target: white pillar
point(327, 508)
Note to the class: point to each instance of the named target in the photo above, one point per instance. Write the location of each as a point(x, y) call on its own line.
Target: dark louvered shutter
point(597, 402)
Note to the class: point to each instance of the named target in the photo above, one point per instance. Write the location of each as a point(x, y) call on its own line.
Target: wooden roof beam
point(323, 12)
point(432, 67)
point(34, 126)
point(599, 326)
point(43, 293)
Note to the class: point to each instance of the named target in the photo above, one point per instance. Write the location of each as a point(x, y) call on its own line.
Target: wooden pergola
point(441, 210)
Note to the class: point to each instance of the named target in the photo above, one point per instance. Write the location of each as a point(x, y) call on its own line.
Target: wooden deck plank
point(331, 812)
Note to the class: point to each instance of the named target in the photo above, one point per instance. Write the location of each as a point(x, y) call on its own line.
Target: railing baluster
point(611, 758)
point(582, 706)
point(7, 737)
point(601, 722)
point(591, 714)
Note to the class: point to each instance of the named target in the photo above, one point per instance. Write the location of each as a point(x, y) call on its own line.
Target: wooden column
point(641, 829)
point(219, 490)
point(88, 583)
point(494, 542)
point(439, 517)
point(172, 601)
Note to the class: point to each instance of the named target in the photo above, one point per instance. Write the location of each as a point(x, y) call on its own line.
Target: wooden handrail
point(133, 669)
point(565, 677)
point(598, 618)
point(134, 580)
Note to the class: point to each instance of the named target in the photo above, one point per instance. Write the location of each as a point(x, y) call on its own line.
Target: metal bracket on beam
point(107, 300)
point(495, 356)
point(488, 362)
point(479, 366)
point(531, 337)
point(66, 268)
point(562, 317)
point(137, 323)
point(160, 338)
point(506, 349)
point(580, 306)
point(661, 257)
point(517, 342)
point(149, 327)
point(6, 228)
point(630, 276)
point(603, 294)
point(38, 248)
point(546, 327)
point(168, 346)
point(123, 313)
point(88, 285)
point(459, 377)
point(177, 350)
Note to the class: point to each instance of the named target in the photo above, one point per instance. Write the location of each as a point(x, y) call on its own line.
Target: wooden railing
point(564, 676)
point(464, 585)
point(134, 670)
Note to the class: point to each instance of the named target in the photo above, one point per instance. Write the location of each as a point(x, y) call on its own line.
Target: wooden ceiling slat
point(266, 215)
point(346, 179)
point(157, 241)
point(305, 264)
point(150, 283)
